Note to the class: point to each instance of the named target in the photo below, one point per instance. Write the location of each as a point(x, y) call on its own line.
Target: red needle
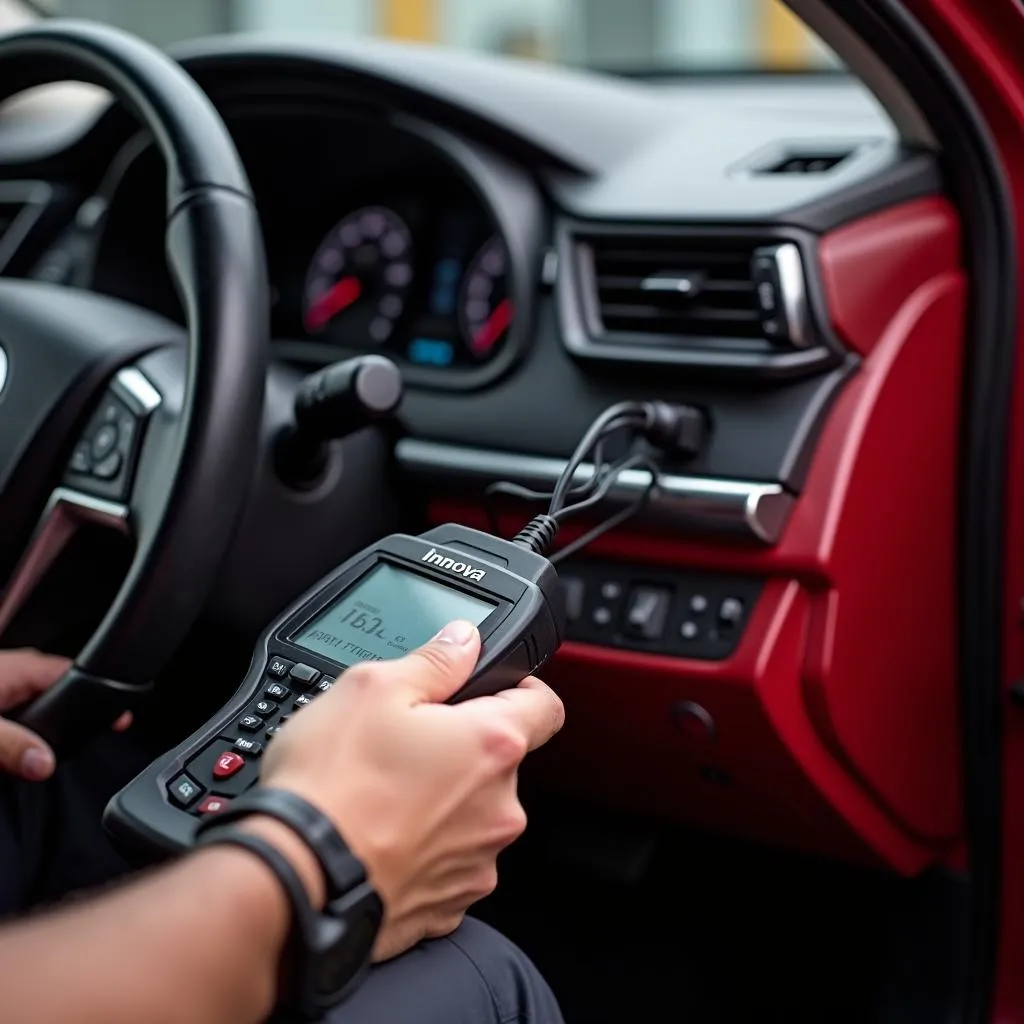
point(493, 327)
point(333, 301)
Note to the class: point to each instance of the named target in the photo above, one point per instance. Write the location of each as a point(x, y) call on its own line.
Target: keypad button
point(229, 763)
point(276, 691)
point(611, 590)
point(184, 791)
point(213, 805)
point(272, 732)
point(689, 630)
point(279, 667)
point(698, 604)
point(602, 616)
point(303, 676)
point(302, 700)
point(250, 723)
point(264, 708)
point(246, 746)
point(324, 685)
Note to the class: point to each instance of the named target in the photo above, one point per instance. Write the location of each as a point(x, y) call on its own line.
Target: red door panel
point(836, 719)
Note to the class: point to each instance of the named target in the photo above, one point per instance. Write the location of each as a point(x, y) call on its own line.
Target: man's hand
point(25, 674)
point(423, 792)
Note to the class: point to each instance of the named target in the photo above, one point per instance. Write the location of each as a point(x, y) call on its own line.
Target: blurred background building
point(627, 35)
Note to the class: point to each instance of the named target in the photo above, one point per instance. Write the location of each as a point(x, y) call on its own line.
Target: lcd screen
point(387, 614)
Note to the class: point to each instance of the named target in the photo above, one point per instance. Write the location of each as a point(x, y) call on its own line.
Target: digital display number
point(385, 615)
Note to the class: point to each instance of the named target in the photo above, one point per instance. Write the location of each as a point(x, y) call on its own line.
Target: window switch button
point(646, 612)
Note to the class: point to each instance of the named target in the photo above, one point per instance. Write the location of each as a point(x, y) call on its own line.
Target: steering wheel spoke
point(97, 486)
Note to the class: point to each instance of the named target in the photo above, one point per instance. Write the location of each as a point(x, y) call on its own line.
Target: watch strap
point(342, 870)
point(302, 927)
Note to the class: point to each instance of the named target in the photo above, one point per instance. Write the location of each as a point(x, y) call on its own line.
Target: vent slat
point(807, 163)
point(716, 297)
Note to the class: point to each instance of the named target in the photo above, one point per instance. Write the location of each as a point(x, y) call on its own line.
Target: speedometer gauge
point(359, 278)
point(485, 309)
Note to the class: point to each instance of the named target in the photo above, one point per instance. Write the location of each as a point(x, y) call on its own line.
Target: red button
point(213, 805)
point(227, 764)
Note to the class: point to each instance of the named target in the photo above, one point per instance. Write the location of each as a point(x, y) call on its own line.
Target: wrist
point(295, 849)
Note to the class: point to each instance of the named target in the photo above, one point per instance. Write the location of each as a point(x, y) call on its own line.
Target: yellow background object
point(409, 19)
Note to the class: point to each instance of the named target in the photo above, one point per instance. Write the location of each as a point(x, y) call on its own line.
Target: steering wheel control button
point(602, 616)
point(646, 612)
point(611, 590)
point(303, 676)
point(264, 708)
point(302, 700)
point(250, 723)
point(104, 459)
point(104, 441)
point(275, 691)
point(698, 604)
point(279, 667)
point(184, 791)
point(689, 630)
point(108, 468)
point(229, 763)
point(213, 805)
point(80, 461)
point(244, 745)
point(730, 612)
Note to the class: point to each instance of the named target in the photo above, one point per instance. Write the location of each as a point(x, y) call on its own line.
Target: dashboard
point(532, 245)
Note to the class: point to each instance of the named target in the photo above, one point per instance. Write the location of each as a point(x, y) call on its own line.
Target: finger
point(26, 673)
point(23, 753)
point(533, 707)
point(124, 722)
point(435, 671)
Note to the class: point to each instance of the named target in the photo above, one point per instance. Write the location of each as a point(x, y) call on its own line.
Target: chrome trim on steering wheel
point(65, 512)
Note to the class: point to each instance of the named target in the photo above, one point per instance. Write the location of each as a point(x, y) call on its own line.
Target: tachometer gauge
point(359, 278)
point(485, 309)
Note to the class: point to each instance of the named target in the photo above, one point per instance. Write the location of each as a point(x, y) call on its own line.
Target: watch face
point(337, 967)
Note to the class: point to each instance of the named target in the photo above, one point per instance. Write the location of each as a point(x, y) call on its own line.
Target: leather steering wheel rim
point(215, 254)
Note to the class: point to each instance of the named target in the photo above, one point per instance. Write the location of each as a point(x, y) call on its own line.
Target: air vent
point(672, 287)
point(806, 163)
point(695, 298)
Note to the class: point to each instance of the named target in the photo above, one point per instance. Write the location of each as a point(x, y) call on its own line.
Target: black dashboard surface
point(509, 150)
point(609, 147)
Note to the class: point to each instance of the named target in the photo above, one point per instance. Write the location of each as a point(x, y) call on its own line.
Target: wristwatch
point(327, 951)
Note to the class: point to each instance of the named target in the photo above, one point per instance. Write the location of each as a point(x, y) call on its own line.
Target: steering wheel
point(85, 434)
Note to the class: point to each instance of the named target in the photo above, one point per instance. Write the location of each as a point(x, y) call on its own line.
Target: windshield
point(629, 36)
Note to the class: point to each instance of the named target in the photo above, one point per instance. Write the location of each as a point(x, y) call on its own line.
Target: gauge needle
point(333, 301)
point(493, 327)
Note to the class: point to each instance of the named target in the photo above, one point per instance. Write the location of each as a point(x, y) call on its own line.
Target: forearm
point(196, 942)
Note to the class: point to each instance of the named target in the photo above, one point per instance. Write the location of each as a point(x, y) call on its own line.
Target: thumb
point(23, 753)
point(435, 671)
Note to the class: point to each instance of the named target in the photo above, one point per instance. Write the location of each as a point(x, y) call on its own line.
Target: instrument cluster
point(426, 284)
point(376, 241)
